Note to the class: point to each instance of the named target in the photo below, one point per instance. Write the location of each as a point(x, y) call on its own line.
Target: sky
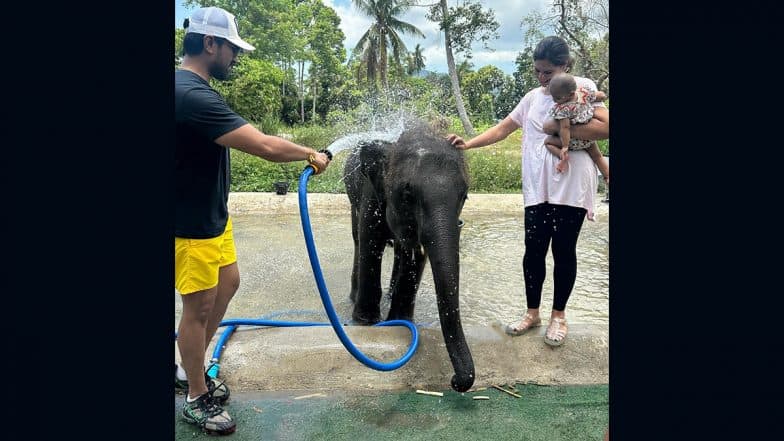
point(508, 14)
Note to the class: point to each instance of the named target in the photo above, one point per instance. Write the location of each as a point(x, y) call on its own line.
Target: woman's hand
point(457, 141)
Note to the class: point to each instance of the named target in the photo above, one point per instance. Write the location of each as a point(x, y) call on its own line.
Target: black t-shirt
point(202, 169)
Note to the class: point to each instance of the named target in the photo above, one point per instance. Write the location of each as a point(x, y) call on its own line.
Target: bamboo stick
point(427, 392)
point(504, 390)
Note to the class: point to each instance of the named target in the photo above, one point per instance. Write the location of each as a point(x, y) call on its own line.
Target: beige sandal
point(521, 327)
point(555, 336)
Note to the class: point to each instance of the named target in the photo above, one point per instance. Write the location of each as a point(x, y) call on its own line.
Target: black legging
point(562, 224)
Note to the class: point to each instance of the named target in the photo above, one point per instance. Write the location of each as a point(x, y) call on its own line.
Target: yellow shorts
point(198, 261)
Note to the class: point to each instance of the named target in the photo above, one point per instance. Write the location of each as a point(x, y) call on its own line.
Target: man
point(205, 269)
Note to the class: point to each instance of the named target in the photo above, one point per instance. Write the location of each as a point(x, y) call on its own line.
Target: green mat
point(546, 413)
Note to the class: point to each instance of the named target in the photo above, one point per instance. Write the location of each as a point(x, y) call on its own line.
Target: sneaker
point(218, 388)
point(206, 413)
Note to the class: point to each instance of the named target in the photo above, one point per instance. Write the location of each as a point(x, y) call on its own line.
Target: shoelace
point(208, 405)
point(213, 385)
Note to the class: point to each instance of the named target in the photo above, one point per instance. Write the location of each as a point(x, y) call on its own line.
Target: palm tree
point(450, 64)
point(417, 61)
point(464, 68)
point(382, 34)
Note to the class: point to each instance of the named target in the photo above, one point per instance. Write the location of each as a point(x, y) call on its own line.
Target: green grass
point(542, 413)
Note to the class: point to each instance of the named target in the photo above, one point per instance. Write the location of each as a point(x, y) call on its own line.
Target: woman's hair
point(555, 50)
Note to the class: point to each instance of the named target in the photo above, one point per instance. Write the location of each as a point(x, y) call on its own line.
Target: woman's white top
point(576, 186)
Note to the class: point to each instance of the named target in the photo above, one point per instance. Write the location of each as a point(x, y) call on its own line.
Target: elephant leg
point(355, 266)
point(372, 236)
point(407, 273)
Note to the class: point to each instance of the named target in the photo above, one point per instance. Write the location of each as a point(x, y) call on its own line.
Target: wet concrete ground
point(564, 391)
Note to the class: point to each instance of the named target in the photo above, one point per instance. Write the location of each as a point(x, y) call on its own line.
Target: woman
point(555, 203)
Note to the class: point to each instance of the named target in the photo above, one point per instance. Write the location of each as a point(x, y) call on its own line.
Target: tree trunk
point(382, 58)
point(301, 92)
point(450, 62)
point(315, 90)
point(285, 69)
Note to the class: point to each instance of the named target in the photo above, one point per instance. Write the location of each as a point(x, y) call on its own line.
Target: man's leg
point(198, 264)
point(196, 311)
point(228, 283)
point(201, 407)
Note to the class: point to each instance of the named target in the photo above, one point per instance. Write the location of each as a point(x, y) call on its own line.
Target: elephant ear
point(373, 160)
point(370, 156)
point(401, 195)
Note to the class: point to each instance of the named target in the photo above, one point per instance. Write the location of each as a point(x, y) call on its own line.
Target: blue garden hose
point(322, 287)
point(232, 324)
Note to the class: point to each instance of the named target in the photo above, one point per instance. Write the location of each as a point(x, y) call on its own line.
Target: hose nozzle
point(312, 158)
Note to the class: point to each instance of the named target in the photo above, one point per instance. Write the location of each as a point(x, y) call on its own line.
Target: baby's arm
point(554, 142)
point(599, 96)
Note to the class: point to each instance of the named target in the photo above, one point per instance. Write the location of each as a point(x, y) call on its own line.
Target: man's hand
point(319, 161)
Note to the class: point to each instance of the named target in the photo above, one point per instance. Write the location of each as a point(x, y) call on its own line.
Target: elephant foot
point(400, 316)
point(462, 384)
point(366, 318)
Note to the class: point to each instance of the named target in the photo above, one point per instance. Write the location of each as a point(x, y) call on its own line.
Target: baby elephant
point(410, 193)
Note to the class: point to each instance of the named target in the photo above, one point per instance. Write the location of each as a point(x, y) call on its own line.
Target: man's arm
point(492, 135)
point(272, 148)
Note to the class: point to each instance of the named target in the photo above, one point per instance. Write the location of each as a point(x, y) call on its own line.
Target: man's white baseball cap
point(217, 22)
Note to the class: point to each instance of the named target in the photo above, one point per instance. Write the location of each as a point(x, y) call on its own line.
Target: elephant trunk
point(441, 238)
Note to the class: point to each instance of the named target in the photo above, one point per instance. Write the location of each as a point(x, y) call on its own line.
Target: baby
point(574, 105)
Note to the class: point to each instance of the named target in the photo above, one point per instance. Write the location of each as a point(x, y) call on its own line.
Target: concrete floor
point(302, 384)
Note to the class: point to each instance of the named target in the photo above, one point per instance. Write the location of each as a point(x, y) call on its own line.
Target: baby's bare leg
point(555, 149)
point(598, 159)
point(553, 144)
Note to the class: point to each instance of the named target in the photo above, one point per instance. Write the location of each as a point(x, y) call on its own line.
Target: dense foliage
point(300, 83)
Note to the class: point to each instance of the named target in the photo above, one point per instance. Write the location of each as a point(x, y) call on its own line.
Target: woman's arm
point(492, 135)
point(597, 128)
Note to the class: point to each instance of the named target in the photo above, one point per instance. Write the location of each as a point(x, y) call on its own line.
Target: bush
point(250, 173)
point(494, 170)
